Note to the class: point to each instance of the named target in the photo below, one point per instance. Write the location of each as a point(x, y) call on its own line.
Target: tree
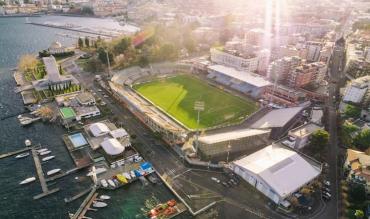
point(352, 111)
point(27, 62)
point(362, 140)
point(122, 45)
point(359, 214)
point(143, 61)
point(80, 43)
point(319, 140)
point(348, 130)
point(102, 55)
point(87, 42)
point(357, 193)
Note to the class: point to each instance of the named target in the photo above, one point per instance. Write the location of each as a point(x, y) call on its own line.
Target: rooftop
point(67, 113)
point(277, 117)
point(51, 68)
point(233, 135)
point(304, 130)
point(85, 97)
point(282, 169)
point(244, 76)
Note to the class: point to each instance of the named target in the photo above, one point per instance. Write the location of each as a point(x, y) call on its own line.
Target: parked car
point(215, 179)
point(325, 189)
point(233, 182)
point(225, 184)
point(326, 182)
point(326, 194)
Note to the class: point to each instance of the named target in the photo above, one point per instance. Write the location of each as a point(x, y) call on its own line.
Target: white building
point(99, 129)
point(85, 99)
point(301, 134)
point(235, 59)
point(85, 112)
point(276, 171)
point(112, 147)
point(356, 90)
point(56, 48)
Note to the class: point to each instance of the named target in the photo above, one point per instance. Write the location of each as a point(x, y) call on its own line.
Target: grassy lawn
point(176, 96)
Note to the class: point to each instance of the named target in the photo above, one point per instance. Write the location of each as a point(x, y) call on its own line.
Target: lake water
point(17, 38)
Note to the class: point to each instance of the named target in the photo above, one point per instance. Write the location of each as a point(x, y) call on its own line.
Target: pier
point(84, 207)
point(14, 153)
point(77, 196)
point(44, 186)
point(66, 173)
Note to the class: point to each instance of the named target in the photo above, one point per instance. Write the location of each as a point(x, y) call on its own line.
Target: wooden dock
point(44, 186)
point(66, 173)
point(14, 152)
point(77, 196)
point(84, 207)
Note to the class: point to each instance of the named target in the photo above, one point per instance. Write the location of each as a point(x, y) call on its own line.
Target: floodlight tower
point(198, 106)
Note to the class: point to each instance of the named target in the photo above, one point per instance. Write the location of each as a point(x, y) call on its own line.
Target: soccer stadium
point(164, 96)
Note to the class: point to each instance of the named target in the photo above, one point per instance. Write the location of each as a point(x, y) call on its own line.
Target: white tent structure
point(99, 129)
point(276, 171)
point(118, 133)
point(112, 146)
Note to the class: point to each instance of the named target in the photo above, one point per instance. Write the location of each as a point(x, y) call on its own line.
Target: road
point(335, 75)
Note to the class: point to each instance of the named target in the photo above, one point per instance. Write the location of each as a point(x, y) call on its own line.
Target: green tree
point(87, 42)
point(102, 55)
point(357, 193)
point(352, 111)
point(362, 140)
point(359, 214)
point(122, 45)
point(80, 43)
point(348, 130)
point(143, 61)
point(319, 140)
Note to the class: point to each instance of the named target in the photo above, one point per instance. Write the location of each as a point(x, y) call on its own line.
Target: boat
point(99, 204)
point(22, 155)
point(104, 197)
point(42, 150)
point(152, 178)
point(28, 180)
point(104, 183)
point(48, 158)
point(127, 175)
point(121, 179)
point(163, 210)
point(132, 173)
point(27, 142)
point(97, 171)
point(111, 183)
point(45, 153)
point(54, 171)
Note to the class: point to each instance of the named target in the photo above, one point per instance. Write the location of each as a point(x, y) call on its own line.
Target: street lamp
point(228, 152)
point(108, 62)
point(198, 106)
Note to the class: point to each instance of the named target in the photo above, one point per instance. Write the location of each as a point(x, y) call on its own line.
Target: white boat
point(45, 152)
point(104, 183)
point(104, 197)
point(111, 183)
point(22, 155)
point(28, 180)
point(27, 142)
point(48, 158)
point(97, 171)
point(132, 173)
point(42, 150)
point(100, 204)
point(54, 171)
point(127, 175)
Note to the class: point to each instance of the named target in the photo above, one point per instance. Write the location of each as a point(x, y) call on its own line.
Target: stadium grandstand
point(245, 82)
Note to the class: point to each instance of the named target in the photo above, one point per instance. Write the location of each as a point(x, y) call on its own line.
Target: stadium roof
point(112, 146)
point(244, 76)
point(282, 169)
point(233, 135)
point(277, 117)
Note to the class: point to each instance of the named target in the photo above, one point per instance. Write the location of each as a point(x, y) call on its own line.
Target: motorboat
point(45, 153)
point(22, 155)
point(48, 158)
point(104, 197)
point(104, 183)
point(111, 183)
point(28, 142)
point(28, 180)
point(54, 171)
point(97, 171)
point(42, 150)
point(99, 204)
point(132, 173)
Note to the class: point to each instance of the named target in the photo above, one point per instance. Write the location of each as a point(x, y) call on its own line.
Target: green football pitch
point(177, 95)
